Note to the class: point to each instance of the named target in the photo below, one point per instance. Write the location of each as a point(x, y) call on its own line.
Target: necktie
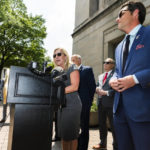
point(125, 51)
point(105, 77)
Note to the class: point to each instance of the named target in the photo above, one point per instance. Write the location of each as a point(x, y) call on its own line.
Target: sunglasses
point(107, 62)
point(122, 13)
point(58, 54)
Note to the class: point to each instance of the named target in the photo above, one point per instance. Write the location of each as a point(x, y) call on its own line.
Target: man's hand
point(125, 83)
point(114, 84)
point(97, 90)
point(122, 84)
point(100, 92)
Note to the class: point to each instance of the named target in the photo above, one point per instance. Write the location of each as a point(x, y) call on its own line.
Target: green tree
point(21, 35)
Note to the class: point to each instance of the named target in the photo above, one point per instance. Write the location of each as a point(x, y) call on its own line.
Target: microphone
point(44, 66)
point(33, 67)
point(56, 71)
point(48, 69)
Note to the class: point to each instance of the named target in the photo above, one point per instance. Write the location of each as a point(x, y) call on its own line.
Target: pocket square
point(139, 46)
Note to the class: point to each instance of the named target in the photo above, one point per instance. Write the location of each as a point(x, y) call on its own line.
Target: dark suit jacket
point(136, 100)
point(107, 101)
point(87, 85)
point(1, 84)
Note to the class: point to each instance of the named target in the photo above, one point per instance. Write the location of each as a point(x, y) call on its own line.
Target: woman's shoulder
point(72, 68)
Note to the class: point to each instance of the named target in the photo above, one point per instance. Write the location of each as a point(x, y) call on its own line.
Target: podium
point(31, 115)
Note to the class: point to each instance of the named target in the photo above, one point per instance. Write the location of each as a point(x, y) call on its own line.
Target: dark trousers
point(131, 135)
point(84, 136)
point(104, 113)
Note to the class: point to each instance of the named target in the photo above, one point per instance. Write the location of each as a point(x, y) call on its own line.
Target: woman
point(69, 116)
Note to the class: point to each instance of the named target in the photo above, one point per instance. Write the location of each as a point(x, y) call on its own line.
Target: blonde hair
point(67, 62)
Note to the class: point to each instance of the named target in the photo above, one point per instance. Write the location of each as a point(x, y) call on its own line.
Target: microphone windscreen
point(58, 68)
point(56, 71)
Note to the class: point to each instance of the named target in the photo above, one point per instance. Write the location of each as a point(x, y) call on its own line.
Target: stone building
point(95, 35)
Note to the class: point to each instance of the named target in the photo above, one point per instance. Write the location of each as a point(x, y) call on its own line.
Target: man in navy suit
point(132, 80)
point(86, 91)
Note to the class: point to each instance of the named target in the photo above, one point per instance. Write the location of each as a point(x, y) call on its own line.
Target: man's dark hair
point(132, 6)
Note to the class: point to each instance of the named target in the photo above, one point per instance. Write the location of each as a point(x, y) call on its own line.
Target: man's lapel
point(81, 68)
point(120, 56)
point(108, 78)
point(136, 42)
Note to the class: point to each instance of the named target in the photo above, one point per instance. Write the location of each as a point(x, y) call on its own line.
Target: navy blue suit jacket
point(87, 85)
point(136, 100)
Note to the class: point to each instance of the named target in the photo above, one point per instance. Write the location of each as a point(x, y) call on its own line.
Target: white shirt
point(100, 80)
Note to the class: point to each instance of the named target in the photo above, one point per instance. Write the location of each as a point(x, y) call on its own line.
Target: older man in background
point(105, 104)
point(86, 92)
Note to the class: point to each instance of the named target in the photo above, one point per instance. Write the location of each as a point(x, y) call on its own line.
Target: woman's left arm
point(74, 79)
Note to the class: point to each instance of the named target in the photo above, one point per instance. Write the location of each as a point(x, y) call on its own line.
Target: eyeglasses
point(122, 13)
point(58, 54)
point(105, 62)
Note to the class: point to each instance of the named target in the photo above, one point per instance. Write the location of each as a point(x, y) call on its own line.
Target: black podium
point(31, 115)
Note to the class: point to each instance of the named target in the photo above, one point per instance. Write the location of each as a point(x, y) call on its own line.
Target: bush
point(94, 107)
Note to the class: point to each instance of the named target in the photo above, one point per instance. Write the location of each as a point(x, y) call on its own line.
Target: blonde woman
point(69, 116)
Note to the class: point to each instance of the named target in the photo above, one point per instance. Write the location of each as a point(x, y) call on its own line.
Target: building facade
point(96, 35)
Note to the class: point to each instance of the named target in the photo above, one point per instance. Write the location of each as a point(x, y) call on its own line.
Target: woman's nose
point(117, 19)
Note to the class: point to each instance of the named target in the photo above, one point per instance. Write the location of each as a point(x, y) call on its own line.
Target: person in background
point(4, 106)
point(105, 104)
point(69, 116)
point(132, 79)
point(86, 92)
point(4, 88)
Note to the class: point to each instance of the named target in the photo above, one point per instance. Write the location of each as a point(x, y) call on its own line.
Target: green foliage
point(94, 107)
point(50, 64)
point(21, 35)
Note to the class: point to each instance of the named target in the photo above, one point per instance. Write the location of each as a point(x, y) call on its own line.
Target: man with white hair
point(86, 92)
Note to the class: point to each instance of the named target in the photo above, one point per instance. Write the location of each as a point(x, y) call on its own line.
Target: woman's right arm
point(74, 79)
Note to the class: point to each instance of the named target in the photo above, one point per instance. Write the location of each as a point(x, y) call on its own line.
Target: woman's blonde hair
point(67, 62)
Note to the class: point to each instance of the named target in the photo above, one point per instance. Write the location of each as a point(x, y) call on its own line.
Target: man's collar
point(109, 72)
point(135, 30)
point(79, 67)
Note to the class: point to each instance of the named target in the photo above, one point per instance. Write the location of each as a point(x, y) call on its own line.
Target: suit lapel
point(108, 78)
point(136, 41)
point(81, 68)
point(120, 56)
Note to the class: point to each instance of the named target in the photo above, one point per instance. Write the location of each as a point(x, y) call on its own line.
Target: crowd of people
point(123, 90)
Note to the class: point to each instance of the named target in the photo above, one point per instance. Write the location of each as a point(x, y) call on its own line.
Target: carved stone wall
point(97, 37)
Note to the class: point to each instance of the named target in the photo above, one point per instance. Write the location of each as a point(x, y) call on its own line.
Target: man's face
point(76, 60)
point(108, 65)
point(125, 19)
